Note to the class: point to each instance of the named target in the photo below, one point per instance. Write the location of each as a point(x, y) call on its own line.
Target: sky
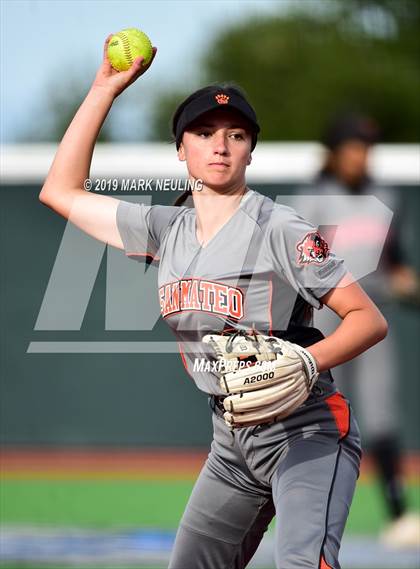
point(44, 43)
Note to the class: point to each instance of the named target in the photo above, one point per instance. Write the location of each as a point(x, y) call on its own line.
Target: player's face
point(217, 149)
point(350, 161)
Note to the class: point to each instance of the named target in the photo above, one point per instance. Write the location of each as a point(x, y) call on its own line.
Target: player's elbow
point(58, 201)
point(45, 196)
point(380, 327)
point(42, 198)
point(41, 195)
point(384, 327)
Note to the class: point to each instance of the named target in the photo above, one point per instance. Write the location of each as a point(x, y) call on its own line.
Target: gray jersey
point(265, 268)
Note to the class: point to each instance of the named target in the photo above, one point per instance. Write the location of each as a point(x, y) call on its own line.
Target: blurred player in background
point(373, 377)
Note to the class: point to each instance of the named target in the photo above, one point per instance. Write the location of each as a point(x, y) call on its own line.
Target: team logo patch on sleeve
point(312, 249)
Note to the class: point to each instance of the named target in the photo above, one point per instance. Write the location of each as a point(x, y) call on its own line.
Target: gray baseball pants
point(302, 469)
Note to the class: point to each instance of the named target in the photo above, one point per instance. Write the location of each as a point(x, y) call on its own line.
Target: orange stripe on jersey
point(324, 564)
point(340, 410)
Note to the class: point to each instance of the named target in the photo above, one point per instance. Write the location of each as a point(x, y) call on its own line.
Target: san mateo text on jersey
point(200, 294)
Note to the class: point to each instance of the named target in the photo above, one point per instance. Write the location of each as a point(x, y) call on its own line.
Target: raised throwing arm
point(63, 188)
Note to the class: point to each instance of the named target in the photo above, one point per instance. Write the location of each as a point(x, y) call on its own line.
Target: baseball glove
point(265, 378)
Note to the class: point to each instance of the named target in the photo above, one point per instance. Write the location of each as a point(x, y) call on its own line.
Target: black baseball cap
point(208, 99)
point(351, 126)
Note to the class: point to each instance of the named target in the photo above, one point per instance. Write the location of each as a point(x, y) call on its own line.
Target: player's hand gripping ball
point(125, 46)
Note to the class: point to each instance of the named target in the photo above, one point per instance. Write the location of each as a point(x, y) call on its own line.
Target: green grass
point(119, 504)
point(368, 513)
point(100, 504)
point(133, 504)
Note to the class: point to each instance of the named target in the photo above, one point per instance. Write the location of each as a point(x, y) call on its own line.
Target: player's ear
point(249, 159)
point(181, 153)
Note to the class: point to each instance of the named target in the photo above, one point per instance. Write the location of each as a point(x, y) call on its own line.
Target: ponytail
point(183, 197)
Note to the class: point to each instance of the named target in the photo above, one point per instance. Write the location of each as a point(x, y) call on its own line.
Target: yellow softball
point(126, 45)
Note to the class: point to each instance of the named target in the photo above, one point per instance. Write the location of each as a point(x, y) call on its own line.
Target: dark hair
point(350, 125)
point(210, 90)
point(345, 126)
point(183, 197)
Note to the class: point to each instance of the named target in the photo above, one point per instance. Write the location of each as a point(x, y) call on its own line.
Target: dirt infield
point(132, 463)
point(88, 463)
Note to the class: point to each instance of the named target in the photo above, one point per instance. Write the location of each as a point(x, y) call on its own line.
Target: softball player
point(237, 261)
point(371, 378)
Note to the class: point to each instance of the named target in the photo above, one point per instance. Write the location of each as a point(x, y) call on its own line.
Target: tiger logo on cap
point(222, 99)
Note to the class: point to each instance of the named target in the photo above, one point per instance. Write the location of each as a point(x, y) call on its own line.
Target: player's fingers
point(139, 67)
point(144, 67)
point(135, 70)
point(154, 51)
point(126, 78)
point(106, 64)
point(108, 39)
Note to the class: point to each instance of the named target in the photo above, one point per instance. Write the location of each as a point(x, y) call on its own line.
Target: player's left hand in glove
point(265, 378)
